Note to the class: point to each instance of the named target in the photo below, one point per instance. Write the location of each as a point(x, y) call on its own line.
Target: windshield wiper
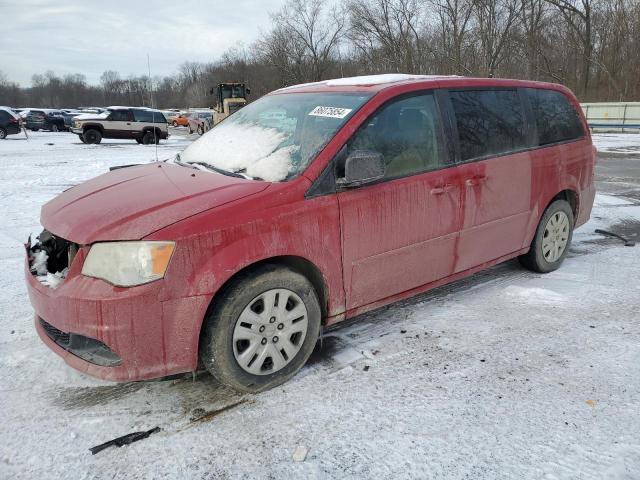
point(208, 167)
point(217, 170)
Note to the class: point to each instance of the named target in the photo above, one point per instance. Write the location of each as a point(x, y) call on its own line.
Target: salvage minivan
point(311, 205)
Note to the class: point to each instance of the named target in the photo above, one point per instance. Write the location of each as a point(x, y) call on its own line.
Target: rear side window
point(4, 115)
point(148, 116)
point(490, 122)
point(406, 133)
point(119, 116)
point(556, 119)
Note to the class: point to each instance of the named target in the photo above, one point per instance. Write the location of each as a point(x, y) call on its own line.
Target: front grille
point(88, 349)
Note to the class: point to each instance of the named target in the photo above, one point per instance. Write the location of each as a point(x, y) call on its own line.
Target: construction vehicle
point(230, 97)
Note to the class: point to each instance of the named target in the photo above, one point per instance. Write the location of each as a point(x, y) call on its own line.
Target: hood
point(131, 203)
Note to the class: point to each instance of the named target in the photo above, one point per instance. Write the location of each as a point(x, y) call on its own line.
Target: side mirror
point(248, 91)
point(361, 167)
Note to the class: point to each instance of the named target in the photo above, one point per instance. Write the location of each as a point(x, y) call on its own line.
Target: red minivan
point(313, 204)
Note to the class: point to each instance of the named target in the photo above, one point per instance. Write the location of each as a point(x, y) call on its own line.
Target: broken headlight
point(126, 264)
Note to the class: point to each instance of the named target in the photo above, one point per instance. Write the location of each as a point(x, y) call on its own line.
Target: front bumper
point(148, 335)
point(77, 131)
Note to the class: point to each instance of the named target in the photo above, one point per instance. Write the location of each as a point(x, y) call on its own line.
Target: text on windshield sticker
point(332, 112)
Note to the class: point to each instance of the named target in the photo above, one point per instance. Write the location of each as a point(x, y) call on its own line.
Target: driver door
point(401, 232)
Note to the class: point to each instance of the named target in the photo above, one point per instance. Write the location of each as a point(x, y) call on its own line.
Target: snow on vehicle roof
point(369, 80)
point(10, 112)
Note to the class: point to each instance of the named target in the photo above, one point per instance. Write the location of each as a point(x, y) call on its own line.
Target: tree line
point(591, 46)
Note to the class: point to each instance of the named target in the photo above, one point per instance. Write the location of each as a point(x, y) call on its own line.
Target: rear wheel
point(54, 128)
point(92, 136)
point(150, 138)
point(174, 123)
point(552, 239)
point(261, 329)
point(3, 133)
point(200, 129)
point(138, 140)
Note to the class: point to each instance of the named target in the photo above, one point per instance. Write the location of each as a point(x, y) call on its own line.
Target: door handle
point(472, 182)
point(442, 189)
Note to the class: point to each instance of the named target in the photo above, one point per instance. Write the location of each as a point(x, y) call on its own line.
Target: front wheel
point(261, 329)
point(174, 123)
point(3, 134)
point(552, 239)
point(54, 128)
point(92, 136)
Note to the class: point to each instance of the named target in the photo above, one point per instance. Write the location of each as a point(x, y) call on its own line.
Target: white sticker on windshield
point(331, 112)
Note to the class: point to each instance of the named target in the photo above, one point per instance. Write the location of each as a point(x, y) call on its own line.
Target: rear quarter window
point(556, 119)
point(489, 122)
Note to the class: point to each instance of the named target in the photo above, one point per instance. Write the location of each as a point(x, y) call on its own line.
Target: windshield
point(275, 137)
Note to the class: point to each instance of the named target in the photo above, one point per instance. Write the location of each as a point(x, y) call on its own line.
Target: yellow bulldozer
point(230, 97)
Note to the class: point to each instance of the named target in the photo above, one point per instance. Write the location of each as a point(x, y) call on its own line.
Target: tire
point(138, 140)
point(552, 239)
point(54, 128)
point(174, 123)
point(220, 348)
point(92, 136)
point(81, 138)
point(149, 138)
point(200, 129)
point(3, 133)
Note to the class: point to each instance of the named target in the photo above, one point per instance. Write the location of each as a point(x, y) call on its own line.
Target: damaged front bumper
point(115, 333)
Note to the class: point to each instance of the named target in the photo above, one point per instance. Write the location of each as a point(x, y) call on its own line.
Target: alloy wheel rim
point(270, 331)
point(555, 237)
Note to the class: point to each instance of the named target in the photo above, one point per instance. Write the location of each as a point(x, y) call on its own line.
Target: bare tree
point(455, 20)
point(578, 15)
point(389, 34)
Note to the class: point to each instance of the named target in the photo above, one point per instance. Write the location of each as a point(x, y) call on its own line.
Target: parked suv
point(200, 122)
point(311, 205)
point(10, 123)
point(143, 125)
point(44, 119)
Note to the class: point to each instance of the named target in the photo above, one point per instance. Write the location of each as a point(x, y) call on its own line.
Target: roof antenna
point(153, 113)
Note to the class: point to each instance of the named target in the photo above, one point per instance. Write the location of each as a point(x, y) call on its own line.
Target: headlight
point(126, 264)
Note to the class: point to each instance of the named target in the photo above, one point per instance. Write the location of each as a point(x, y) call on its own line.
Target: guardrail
point(612, 115)
point(614, 126)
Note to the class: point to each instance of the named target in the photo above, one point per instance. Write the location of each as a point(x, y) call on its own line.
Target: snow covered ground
point(508, 374)
point(617, 143)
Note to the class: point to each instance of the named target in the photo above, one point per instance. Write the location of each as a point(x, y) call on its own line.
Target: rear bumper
point(12, 129)
point(147, 336)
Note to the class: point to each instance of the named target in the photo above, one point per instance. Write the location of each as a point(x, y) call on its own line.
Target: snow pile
point(39, 264)
point(91, 116)
point(379, 79)
point(236, 146)
point(53, 280)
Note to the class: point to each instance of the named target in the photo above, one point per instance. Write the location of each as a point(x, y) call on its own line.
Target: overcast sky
point(89, 36)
